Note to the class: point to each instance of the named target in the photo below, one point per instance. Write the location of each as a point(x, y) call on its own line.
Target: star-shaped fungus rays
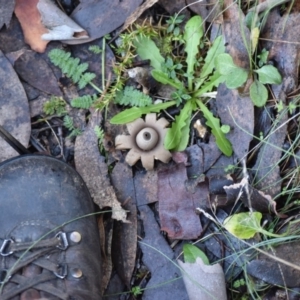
point(145, 141)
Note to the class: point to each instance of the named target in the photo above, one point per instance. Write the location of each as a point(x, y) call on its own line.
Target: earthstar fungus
point(145, 141)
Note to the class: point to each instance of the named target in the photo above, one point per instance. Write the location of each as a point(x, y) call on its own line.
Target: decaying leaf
point(34, 70)
point(177, 204)
point(270, 271)
point(161, 266)
point(124, 242)
point(259, 201)
point(93, 169)
point(14, 112)
point(42, 21)
point(6, 11)
point(203, 281)
point(102, 17)
point(284, 32)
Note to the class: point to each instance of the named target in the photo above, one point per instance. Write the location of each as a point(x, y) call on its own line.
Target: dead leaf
point(137, 13)
point(202, 281)
point(42, 22)
point(233, 252)
point(175, 6)
point(145, 184)
point(6, 11)
point(259, 201)
point(33, 69)
point(93, 169)
point(14, 112)
point(286, 55)
point(102, 17)
point(209, 10)
point(233, 109)
point(237, 112)
point(161, 266)
point(236, 33)
point(211, 153)
point(105, 226)
point(275, 273)
point(177, 205)
point(124, 243)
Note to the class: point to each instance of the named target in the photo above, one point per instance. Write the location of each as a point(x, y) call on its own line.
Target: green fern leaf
point(85, 79)
point(68, 122)
point(95, 49)
point(85, 101)
point(75, 132)
point(55, 106)
point(132, 97)
point(71, 67)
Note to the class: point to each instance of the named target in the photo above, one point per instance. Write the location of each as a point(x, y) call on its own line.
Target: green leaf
point(214, 123)
point(209, 61)
point(185, 136)
point(243, 225)
point(213, 81)
point(131, 96)
point(192, 36)
point(268, 75)
point(225, 64)
point(174, 135)
point(163, 78)
point(147, 49)
point(225, 129)
point(133, 113)
point(258, 93)
point(236, 78)
point(191, 253)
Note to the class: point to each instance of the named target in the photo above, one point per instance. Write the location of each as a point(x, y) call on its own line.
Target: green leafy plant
point(195, 80)
point(85, 101)
point(68, 123)
point(245, 225)
point(235, 77)
point(132, 97)
point(100, 136)
point(55, 106)
point(191, 253)
point(173, 23)
point(72, 68)
point(136, 291)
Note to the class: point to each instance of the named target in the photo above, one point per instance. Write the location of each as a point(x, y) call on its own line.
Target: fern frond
point(95, 49)
point(71, 67)
point(75, 132)
point(84, 102)
point(132, 97)
point(85, 79)
point(55, 106)
point(68, 122)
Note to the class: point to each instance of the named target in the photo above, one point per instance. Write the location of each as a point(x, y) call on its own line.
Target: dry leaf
point(42, 22)
point(124, 244)
point(202, 281)
point(177, 205)
point(14, 112)
point(6, 11)
point(93, 169)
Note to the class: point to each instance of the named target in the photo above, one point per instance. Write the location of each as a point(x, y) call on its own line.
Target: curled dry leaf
point(93, 169)
point(42, 22)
